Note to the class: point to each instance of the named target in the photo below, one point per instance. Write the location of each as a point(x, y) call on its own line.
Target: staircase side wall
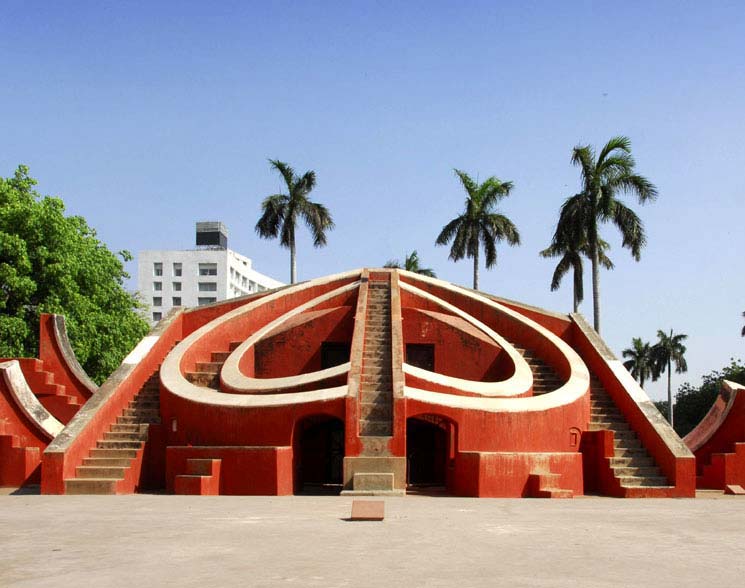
point(72, 445)
point(508, 475)
point(668, 450)
point(243, 470)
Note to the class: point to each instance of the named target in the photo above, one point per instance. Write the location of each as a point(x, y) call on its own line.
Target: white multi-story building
point(204, 275)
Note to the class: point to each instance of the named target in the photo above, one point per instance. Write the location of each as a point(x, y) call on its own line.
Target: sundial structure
point(372, 381)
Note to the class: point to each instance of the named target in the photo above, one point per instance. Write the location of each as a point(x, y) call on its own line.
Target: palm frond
point(273, 211)
point(631, 227)
point(286, 171)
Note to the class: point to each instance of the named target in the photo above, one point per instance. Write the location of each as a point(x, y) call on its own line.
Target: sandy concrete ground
point(151, 540)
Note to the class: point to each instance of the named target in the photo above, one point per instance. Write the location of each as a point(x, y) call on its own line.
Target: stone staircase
point(545, 379)
point(207, 373)
point(376, 382)
point(112, 459)
point(51, 395)
point(632, 465)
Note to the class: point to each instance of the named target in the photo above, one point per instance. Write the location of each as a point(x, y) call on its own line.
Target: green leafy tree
point(411, 264)
point(280, 213)
point(669, 350)
point(604, 178)
point(479, 224)
point(54, 263)
point(693, 402)
point(640, 361)
point(570, 245)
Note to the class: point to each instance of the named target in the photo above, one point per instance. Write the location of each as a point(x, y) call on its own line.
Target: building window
point(157, 301)
point(157, 269)
point(157, 316)
point(207, 269)
point(177, 270)
point(244, 282)
point(251, 286)
point(177, 301)
point(177, 286)
point(207, 286)
point(157, 286)
point(206, 300)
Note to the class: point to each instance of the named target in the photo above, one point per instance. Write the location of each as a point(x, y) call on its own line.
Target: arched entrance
point(319, 455)
point(429, 451)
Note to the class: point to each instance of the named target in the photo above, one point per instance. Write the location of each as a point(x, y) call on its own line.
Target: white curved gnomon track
point(576, 385)
point(244, 390)
point(253, 392)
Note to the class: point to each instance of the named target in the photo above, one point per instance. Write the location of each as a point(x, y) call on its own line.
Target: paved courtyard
point(157, 540)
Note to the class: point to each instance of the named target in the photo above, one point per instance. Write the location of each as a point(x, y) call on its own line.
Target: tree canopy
point(605, 177)
point(280, 212)
point(54, 263)
point(480, 224)
point(411, 264)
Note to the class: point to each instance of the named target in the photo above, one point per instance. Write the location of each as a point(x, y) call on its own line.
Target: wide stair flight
point(108, 463)
point(632, 465)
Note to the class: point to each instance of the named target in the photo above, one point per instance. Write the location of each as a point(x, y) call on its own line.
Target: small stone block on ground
point(367, 510)
point(734, 489)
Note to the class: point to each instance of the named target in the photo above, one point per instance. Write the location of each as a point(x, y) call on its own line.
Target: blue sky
point(145, 117)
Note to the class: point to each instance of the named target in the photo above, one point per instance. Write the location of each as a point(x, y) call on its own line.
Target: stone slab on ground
point(227, 541)
point(734, 489)
point(367, 510)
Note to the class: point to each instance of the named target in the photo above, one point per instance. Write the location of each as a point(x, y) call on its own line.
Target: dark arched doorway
point(319, 455)
point(429, 447)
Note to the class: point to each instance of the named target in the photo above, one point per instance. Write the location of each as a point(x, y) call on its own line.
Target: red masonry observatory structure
point(371, 381)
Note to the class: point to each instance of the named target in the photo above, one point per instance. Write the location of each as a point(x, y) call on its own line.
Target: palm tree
point(743, 329)
point(571, 247)
point(669, 349)
point(479, 224)
point(640, 361)
point(411, 264)
point(603, 178)
point(280, 212)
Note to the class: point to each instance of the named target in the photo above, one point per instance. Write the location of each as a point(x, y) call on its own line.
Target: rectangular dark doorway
point(421, 355)
point(333, 354)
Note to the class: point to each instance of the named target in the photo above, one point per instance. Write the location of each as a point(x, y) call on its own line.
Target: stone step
point(209, 367)
point(125, 428)
point(376, 411)
point(375, 428)
point(639, 472)
point(122, 462)
point(634, 481)
point(128, 436)
point(376, 396)
point(91, 486)
point(627, 443)
point(113, 453)
point(118, 444)
point(204, 379)
point(138, 420)
point(220, 356)
point(607, 425)
point(100, 472)
point(632, 452)
point(144, 415)
point(642, 460)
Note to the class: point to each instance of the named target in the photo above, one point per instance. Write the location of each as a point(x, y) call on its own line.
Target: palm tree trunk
point(596, 287)
point(576, 299)
point(476, 269)
point(669, 394)
point(293, 263)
